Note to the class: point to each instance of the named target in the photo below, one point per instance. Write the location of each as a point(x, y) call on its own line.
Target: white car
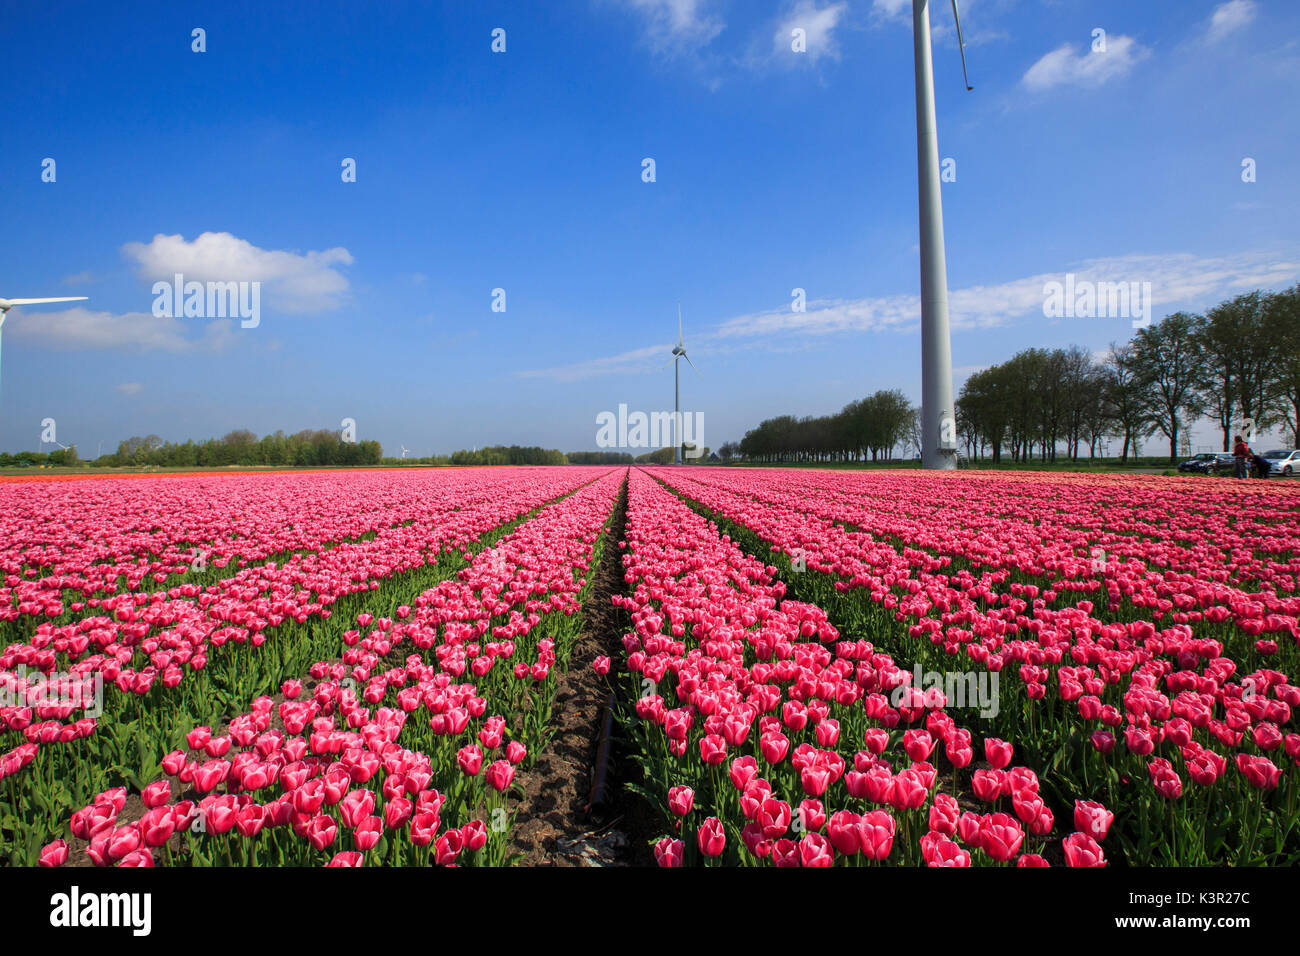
point(1283, 461)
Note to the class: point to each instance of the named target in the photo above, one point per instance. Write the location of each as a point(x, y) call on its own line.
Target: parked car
point(1283, 461)
point(1209, 463)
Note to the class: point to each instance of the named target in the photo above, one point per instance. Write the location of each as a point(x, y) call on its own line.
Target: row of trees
point(599, 458)
point(532, 455)
point(512, 455)
point(308, 448)
point(1039, 398)
point(61, 456)
point(1238, 364)
point(242, 447)
point(869, 428)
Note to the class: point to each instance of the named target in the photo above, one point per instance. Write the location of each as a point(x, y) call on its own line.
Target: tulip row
point(1133, 700)
point(767, 736)
point(362, 759)
point(66, 548)
point(194, 659)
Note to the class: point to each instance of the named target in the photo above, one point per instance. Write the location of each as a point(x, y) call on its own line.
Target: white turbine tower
point(7, 304)
point(404, 451)
point(938, 419)
point(679, 352)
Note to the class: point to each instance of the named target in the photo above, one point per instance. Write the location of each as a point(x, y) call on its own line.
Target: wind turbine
point(938, 419)
point(404, 450)
point(59, 443)
point(63, 446)
point(679, 352)
point(7, 304)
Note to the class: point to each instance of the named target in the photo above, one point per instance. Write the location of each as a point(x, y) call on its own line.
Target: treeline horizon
point(1237, 364)
point(534, 455)
point(242, 447)
point(871, 426)
point(309, 448)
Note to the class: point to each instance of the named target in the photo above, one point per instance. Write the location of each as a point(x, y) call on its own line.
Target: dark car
point(1209, 464)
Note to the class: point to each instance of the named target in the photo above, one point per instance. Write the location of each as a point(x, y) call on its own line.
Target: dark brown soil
point(553, 825)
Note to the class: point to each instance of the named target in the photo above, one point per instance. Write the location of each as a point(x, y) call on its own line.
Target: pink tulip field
point(813, 667)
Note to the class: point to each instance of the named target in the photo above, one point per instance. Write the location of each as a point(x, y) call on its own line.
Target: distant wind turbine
point(679, 352)
point(404, 451)
point(7, 304)
point(59, 443)
point(938, 420)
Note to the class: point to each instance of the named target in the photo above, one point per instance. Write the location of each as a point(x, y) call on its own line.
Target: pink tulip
point(669, 852)
point(54, 854)
point(499, 775)
point(876, 834)
point(712, 838)
point(367, 833)
point(1083, 850)
point(997, 752)
point(680, 800)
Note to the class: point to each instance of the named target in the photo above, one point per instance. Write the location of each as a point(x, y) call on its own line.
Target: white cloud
point(677, 26)
point(1230, 17)
point(80, 328)
point(292, 282)
point(892, 10)
point(1063, 67)
point(827, 315)
point(625, 363)
point(818, 25)
point(1178, 281)
point(130, 388)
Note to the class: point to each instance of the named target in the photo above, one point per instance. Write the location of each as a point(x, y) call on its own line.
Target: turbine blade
point(961, 46)
point(679, 323)
point(688, 358)
point(67, 298)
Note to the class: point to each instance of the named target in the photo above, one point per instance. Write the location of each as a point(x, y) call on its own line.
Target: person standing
point(1241, 452)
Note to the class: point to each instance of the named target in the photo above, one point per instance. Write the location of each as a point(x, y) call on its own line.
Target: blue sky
point(522, 170)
